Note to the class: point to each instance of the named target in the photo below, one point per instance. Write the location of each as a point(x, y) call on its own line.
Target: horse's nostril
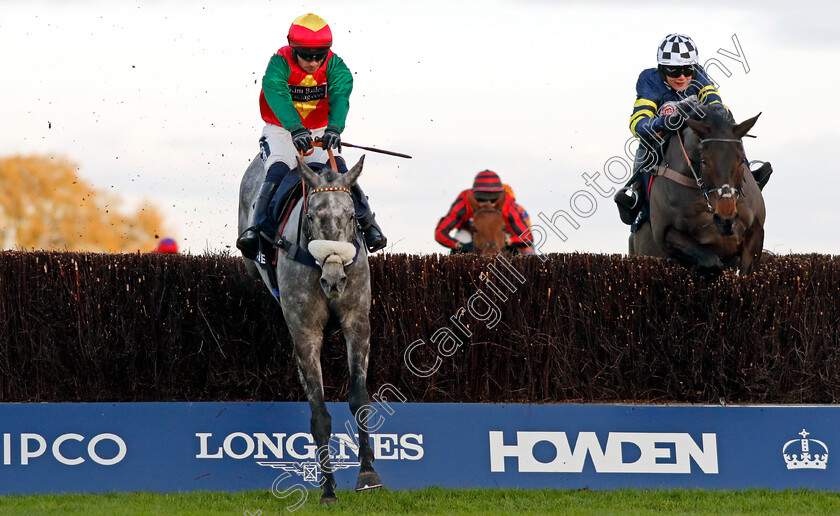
point(724, 221)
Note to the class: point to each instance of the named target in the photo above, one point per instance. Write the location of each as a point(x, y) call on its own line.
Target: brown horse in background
point(488, 232)
point(488, 227)
point(707, 211)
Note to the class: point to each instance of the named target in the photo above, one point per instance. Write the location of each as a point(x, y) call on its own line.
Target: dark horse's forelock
point(715, 115)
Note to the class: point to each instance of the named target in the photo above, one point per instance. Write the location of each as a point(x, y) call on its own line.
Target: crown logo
point(805, 453)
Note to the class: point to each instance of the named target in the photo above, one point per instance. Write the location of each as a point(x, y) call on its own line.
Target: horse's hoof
point(368, 480)
point(328, 499)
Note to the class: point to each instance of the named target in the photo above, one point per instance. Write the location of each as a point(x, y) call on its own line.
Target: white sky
point(158, 100)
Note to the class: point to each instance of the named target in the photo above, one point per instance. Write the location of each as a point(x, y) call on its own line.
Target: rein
point(697, 177)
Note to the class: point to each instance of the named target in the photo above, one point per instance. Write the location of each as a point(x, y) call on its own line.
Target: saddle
point(281, 205)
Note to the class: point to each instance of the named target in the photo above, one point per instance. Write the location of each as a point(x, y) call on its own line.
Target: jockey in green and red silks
point(305, 94)
point(660, 110)
point(292, 98)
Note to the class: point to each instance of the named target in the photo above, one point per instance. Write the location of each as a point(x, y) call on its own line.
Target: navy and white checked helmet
point(677, 50)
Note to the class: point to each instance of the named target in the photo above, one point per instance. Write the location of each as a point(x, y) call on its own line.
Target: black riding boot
point(629, 201)
point(374, 238)
point(630, 198)
point(762, 174)
point(249, 241)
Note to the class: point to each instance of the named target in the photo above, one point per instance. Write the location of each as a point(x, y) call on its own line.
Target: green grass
point(435, 501)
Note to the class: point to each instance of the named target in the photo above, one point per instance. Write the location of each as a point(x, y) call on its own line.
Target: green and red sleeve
point(340, 82)
point(275, 88)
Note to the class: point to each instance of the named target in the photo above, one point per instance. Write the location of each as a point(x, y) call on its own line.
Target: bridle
point(724, 191)
point(323, 189)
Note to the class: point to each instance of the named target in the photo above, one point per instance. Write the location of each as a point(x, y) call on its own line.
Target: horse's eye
point(702, 161)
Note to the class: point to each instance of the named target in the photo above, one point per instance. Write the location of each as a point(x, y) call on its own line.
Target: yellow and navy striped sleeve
point(643, 109)
point(707, 94)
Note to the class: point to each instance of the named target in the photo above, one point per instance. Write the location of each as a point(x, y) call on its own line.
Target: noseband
point(724, 191)
point(308, 233)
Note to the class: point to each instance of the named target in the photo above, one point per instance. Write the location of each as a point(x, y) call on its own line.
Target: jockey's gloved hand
point(670, 122)
point(302, 139)
point(331, 139)
point(687, 106)
point(462, 247)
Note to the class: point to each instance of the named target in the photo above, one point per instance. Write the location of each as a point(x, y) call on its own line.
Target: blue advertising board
point(166, 447)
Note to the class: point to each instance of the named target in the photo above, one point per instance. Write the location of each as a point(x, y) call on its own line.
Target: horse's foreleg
point(752, 247)
point(357, 334)
point(308, 357)
point(686, 250)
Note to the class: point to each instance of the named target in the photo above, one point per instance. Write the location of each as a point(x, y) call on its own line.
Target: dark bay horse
point(710, 223)
point(314, 299)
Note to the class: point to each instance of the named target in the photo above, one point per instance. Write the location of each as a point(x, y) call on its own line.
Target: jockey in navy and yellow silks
point(652, 93)
point(305, 94)
point(656, 115)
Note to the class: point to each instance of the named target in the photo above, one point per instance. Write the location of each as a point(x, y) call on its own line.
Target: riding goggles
point(481, 198)
point(314, 54)
point(676, 71)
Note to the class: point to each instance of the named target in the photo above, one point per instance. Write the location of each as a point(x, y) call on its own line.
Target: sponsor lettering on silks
point(307, 93)
point(30, 446)
point(652, 452)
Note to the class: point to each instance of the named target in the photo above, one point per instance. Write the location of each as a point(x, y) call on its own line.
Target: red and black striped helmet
point(487, 181)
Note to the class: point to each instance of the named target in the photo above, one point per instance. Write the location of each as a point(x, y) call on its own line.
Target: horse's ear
point(699, 128)
point(744, 127)
point(312, 179)
point(500, 202)
point(349, 179)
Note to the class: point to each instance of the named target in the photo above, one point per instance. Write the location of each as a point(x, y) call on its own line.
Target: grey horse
point(316, 300)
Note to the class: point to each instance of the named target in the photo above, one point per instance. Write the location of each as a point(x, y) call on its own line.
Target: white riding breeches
point(282, 149)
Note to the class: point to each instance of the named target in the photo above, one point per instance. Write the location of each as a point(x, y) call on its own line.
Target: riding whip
point(372, 149)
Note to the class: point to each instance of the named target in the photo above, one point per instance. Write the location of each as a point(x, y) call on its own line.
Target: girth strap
point(675, 176)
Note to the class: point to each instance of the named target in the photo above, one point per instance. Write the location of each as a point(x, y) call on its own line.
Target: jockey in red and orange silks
point(487, 188)
point(305, 94)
